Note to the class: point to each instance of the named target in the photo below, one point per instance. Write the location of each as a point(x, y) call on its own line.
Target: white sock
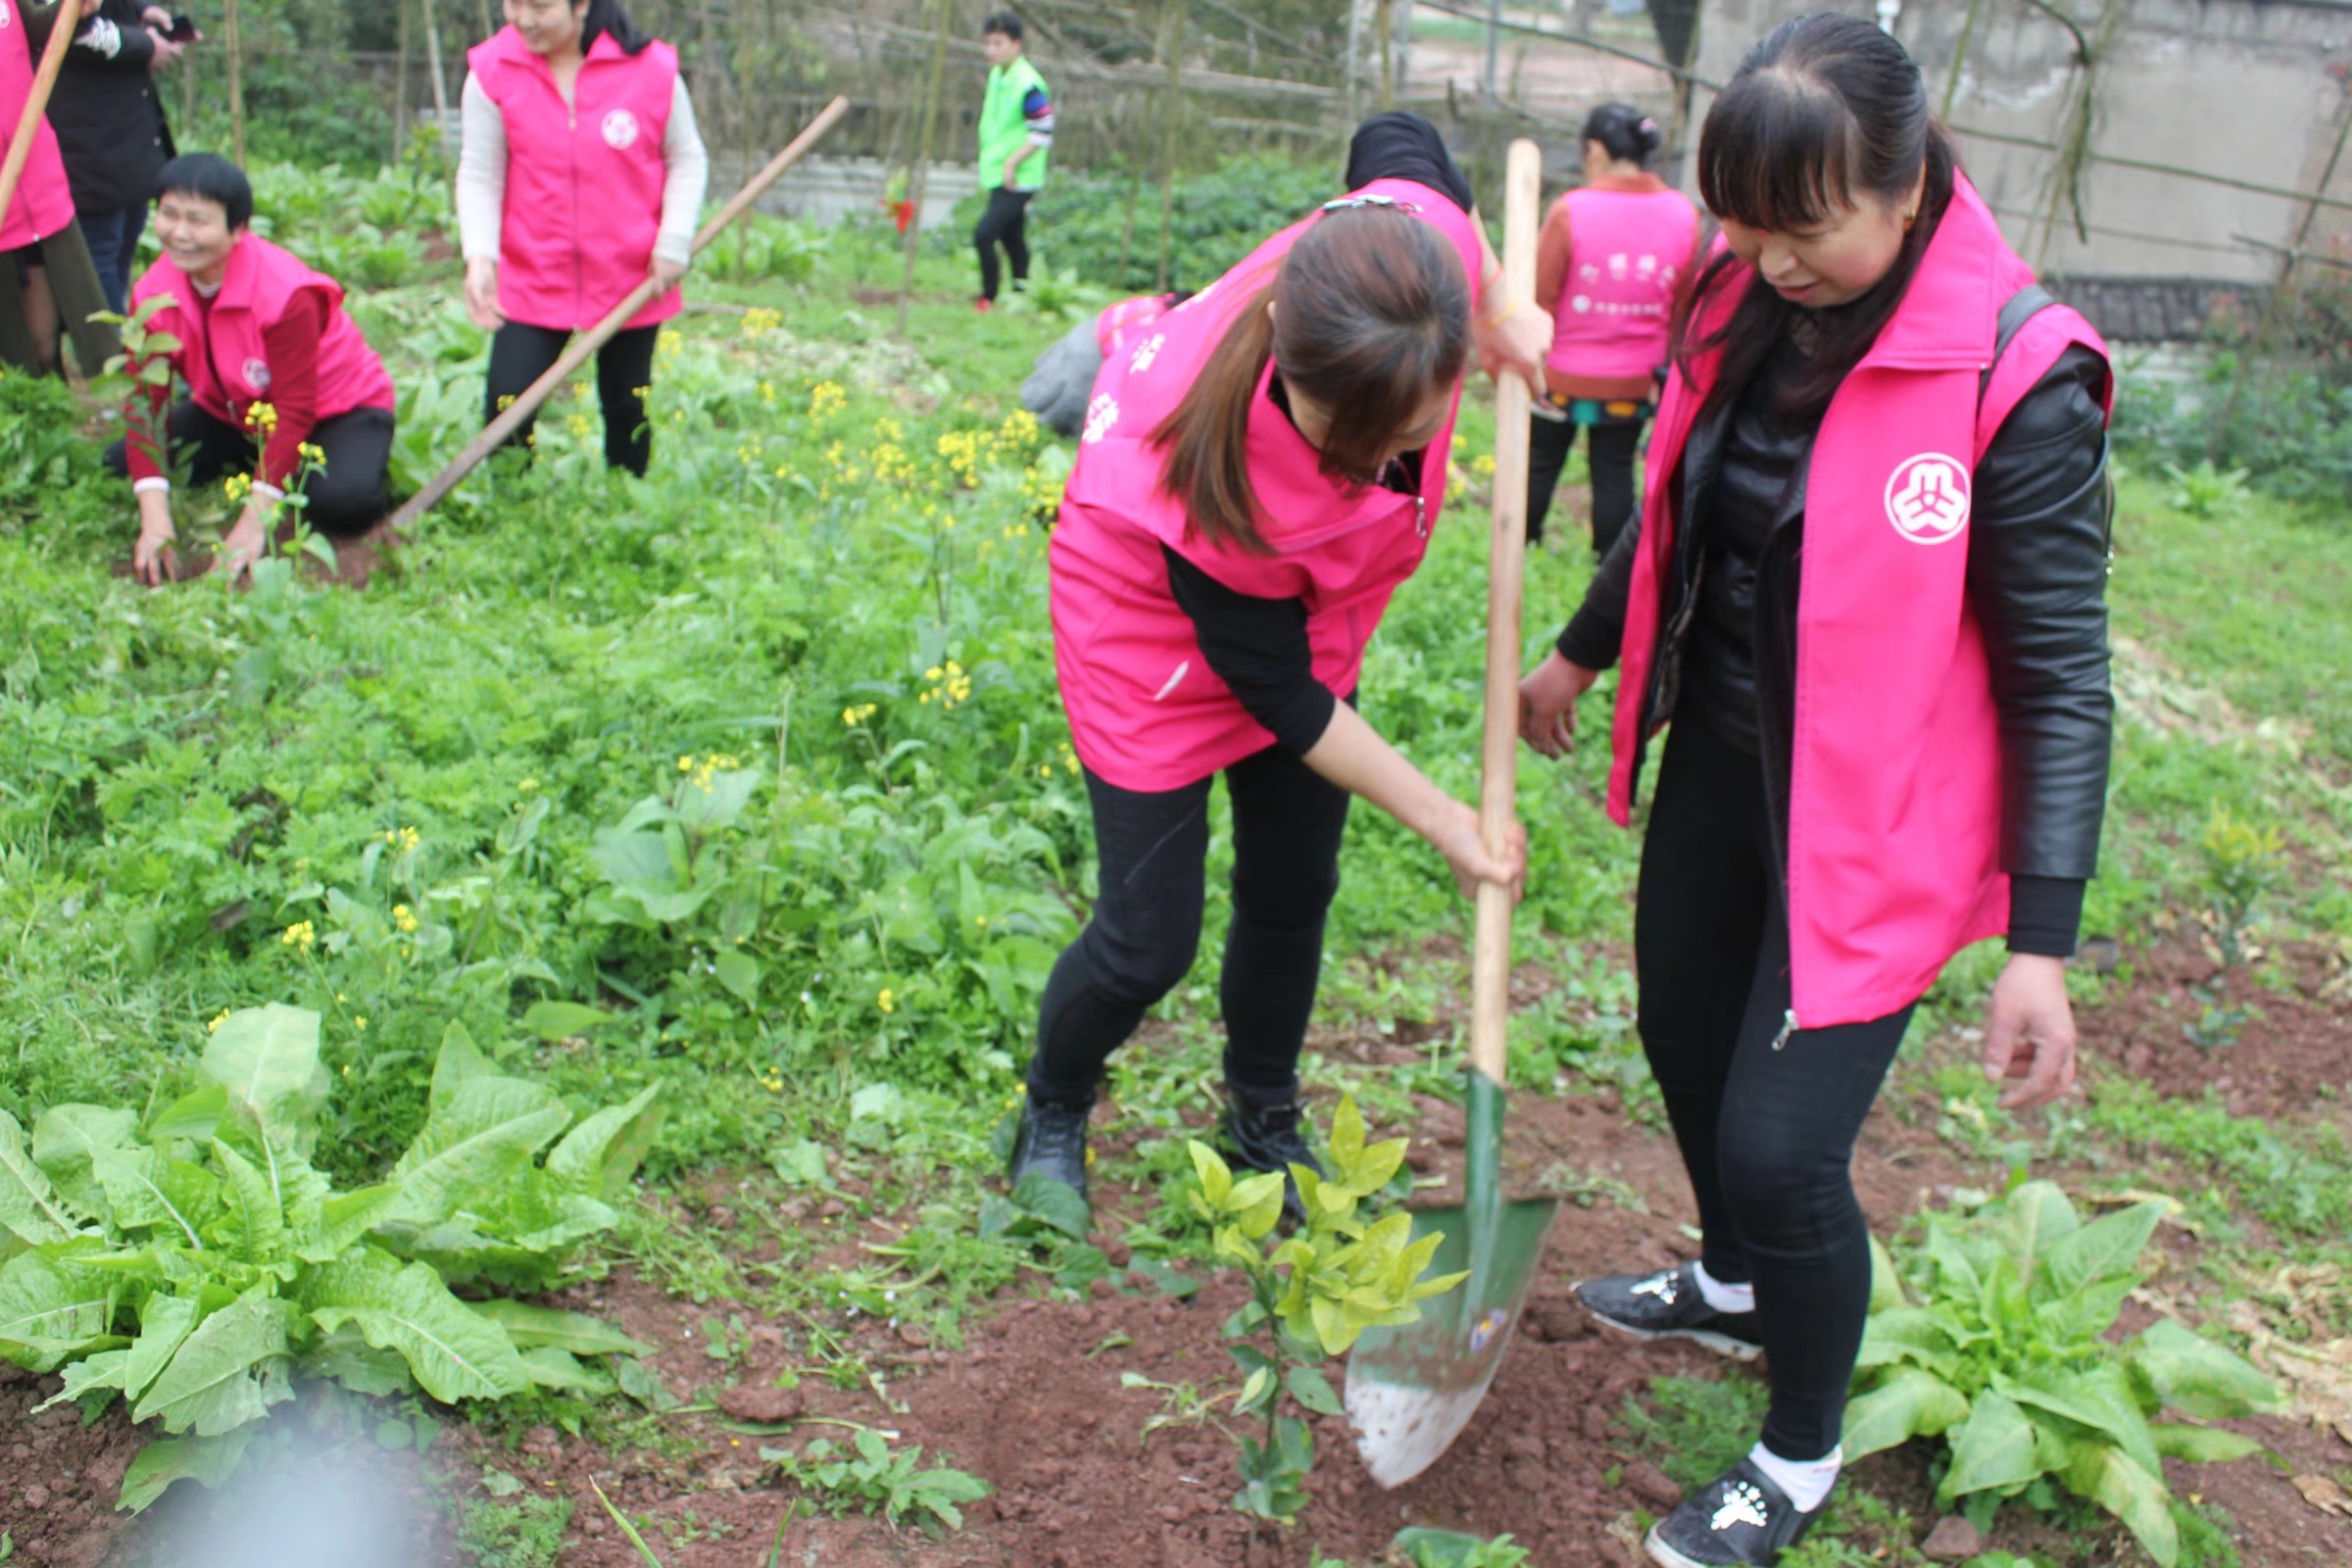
point(1806, 1481)
point(1721, 1297)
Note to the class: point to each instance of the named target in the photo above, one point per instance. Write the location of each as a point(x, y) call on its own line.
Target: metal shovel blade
point(1413, 1387)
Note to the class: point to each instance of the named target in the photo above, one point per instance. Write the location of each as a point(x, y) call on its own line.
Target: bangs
point(1778, 153)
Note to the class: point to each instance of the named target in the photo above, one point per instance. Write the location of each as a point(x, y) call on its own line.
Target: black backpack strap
point(2023, 306)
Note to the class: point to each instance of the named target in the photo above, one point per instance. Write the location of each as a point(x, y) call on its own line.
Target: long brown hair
point(1372, 313)
point(1825, 108)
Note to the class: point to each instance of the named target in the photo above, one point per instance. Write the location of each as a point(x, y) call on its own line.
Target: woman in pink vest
point(1258, 473)
point(1867, 589)
point(1613, 260)
point(43, 204)
point(580, 177)
point(280, 382)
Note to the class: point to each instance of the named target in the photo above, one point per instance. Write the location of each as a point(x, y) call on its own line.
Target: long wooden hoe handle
point(36, 102)
point(1507, 563)
point(495, 434)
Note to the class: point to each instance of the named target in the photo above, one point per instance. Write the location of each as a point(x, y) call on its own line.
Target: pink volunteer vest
point(42, 205)
point(1121, 321)
point(1625, 251)
point(1894, 803)
point(1146, 712)
point(226, 371)
point(583, 203)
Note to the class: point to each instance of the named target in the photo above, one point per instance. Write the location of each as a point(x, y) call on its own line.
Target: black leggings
point(348, 496)
point(624, 370)
point(1006, 223)
point(1286, 825)
point(1767, 1135)
point(1611, 453)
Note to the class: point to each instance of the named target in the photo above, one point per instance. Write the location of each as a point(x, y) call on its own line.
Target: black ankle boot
point(1051, 1143)
point(1266, 1138)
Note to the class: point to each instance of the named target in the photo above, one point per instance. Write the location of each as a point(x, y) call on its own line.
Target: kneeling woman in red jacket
point(1868, 590)
point(1258, 471)
point(273, 367)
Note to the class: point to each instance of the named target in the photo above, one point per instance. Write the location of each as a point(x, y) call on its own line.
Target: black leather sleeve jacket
point(2037, 545)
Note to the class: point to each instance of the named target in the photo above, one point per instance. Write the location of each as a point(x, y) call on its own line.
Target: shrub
point(1220, 218)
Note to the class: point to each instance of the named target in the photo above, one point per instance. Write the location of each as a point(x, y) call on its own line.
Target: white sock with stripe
point(1721, 1297)
point(1807, 1481)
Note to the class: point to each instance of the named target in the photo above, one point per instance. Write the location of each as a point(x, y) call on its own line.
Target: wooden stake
point(495, 434)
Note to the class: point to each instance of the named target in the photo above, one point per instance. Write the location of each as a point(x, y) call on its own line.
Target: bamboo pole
point(1172, 30)
point(1388, 54)
point(1967, 38)
point(925, 146)
point(36, 103)
point(401, 9)
point(433, 61)
point(233, 40)
point(496, 433)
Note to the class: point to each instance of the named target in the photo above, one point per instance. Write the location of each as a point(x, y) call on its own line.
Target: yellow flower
point(261, 417)
point(685, 764)
point(825, 398)
point(527, 786)
point(759, 320)
point(360, 1022)
point(298, 935)
point(404, 917)
point(1045, 770)
point(237, 486)
point(217, 1020)
point(887, 1000)
point(856, 715)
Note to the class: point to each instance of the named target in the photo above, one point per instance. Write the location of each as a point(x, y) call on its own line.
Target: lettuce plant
point(2002, 1347)
point(198, 1267)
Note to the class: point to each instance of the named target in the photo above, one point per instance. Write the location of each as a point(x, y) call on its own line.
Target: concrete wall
point(2255, 89)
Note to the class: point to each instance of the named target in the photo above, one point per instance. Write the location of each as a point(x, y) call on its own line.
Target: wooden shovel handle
point(494, 435)
point(36, 102)
point(1507, 565)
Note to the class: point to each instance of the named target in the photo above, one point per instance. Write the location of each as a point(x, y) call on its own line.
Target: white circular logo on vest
point(620, 129)
point(1927, 498)
point(257, 375)
point(1581, 303)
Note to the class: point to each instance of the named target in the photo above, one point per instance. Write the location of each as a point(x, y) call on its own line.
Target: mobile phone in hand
point(183, 29)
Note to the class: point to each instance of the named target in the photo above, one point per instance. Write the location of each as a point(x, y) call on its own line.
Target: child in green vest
point(1017, 135)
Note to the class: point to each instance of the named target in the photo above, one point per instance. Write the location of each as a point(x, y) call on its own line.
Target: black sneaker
point(1669, 1306)
point(1267, 1139)
point(1738, 1520)
point(1051, 1143)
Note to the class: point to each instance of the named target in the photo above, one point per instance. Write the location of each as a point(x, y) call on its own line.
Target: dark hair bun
point(1626, 133)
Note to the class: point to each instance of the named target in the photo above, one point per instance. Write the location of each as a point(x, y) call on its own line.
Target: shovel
point(1412, 1388)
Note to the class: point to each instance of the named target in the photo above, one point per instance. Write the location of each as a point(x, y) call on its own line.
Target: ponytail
point(1207, 438)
